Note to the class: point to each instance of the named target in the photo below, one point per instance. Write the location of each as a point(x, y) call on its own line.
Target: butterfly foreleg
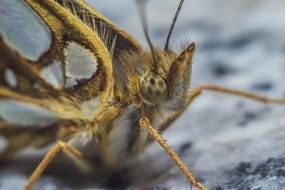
point(196, 91)
point(81, 160)
point(192, 95)
point(226, 90)
point(145, 123)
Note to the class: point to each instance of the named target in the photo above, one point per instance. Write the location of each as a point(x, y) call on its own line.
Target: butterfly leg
point(192, 94)
point(145, 123)
point(70, 150)
point(257, 97)
point(196, 91)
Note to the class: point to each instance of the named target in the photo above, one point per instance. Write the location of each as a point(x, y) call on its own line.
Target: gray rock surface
point(229, 142)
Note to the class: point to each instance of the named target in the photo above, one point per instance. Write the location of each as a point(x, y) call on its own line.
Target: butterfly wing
point(53, 68)
point(58, 62)
point(118, 41)
point(53, 60)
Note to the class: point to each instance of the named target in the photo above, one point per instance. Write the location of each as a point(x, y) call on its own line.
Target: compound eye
point(153, 88)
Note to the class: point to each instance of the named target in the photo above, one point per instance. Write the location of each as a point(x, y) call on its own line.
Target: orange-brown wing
point(53, 69)
point(56, 64)
point(118, 41)
point(50, 58)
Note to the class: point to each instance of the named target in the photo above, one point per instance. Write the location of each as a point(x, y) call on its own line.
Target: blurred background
point(229, 142)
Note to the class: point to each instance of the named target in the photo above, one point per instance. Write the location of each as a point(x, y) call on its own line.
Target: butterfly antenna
point(141, 7)
point(166, 48)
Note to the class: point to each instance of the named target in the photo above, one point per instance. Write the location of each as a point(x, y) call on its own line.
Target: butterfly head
point(168, 77)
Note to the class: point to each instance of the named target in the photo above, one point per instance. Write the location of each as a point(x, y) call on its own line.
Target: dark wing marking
point(69, 29)
point(115, 39)
point(107, 30)
point(23, 74)
point(72, 45)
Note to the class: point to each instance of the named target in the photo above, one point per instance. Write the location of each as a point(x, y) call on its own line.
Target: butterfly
point(82, 80)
